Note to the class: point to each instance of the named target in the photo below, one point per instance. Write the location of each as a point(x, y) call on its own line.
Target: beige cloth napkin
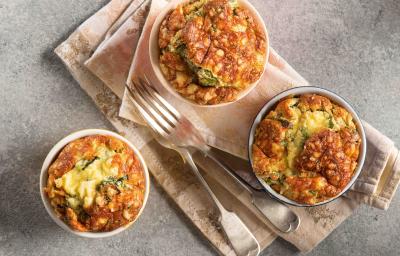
point(110, 63)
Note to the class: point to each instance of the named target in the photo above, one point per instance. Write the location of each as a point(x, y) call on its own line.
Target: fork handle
point(278, 214)
point(187, 157)
point(210, 154)
point(239, 236)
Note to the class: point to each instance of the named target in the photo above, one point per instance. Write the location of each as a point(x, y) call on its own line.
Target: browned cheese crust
point(307, 148)
point(211, 50)
point(96, 184)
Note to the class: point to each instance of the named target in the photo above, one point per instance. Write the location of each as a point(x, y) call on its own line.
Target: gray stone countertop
point(351, 47)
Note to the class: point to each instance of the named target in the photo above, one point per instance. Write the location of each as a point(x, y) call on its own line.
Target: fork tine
point(149, 108)
point(147, 104)
point(152, 123)
point(160, 99)
point(152, 100)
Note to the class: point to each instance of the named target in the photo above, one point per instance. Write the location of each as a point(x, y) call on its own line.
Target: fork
point(175, 131)
point(177, 128)
point(242, 240)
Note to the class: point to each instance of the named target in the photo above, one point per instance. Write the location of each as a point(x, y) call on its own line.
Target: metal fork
point(174, 127)
point(239, 236)
point(175, 131)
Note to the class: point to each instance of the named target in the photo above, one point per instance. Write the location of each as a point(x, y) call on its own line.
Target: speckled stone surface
point(351, 47)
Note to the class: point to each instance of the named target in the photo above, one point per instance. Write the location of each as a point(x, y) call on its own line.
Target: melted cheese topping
point(96, 184)
point(306, 148)
point(304, 126)
point(80, 183)
point(315, 121)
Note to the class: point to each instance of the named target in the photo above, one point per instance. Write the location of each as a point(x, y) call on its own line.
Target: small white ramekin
point(52, 155)
point(334, 98)
point(154, 52)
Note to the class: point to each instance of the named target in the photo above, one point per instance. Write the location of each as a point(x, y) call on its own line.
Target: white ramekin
point(334, 98)
point(52, 155)
point(154, 52)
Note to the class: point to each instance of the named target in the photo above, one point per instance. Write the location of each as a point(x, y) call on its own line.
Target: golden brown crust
point(314, 102)
point(306, 148)
point(221, 42)
point(196, 38)
point(330, 155)
point(268, 137)
point(116, 204)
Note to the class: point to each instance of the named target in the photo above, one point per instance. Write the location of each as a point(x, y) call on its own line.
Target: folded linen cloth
point(110, 64)
point(377, 183)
